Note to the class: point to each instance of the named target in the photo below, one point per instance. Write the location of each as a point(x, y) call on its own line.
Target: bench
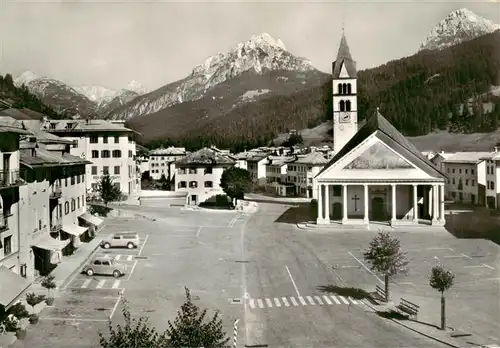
point(379, 294)
point(409, 308)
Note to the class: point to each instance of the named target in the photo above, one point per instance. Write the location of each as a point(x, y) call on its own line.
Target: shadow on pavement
point(480, 224)
point(355, 293)
point(301, 212)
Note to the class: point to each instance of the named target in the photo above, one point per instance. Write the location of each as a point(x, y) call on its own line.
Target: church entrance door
point(337, 211)
point(378, 209)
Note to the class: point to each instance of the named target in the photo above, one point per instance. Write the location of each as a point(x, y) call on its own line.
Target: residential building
point(255, 163)
point(14, 252)
point(463, 183)
point(276, 172)
point(302, 171)
point(161, 162)
point(143, 163)
point(438, 159)
point(491, 175)
point(110, 146)
point(199, 174)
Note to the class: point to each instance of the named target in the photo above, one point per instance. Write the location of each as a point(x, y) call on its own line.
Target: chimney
point(442, 151)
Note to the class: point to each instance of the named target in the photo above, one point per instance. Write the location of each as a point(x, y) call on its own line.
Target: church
point(376, 174)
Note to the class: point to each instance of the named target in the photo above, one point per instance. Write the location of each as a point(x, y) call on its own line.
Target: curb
point(67, 280)
point(414, 330)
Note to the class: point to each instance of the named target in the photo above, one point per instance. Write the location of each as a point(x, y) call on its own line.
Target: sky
point(110, 43)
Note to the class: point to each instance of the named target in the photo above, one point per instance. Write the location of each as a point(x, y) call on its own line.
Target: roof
point(251, 156)
point(466, 157)
point(11, 286)
point(10, 125)
point(279, 160)
point(344, 58)
point(46, 158)
point(386, 132)
point(205, 156)
point(314, 158)
point(35, 127)
point(91, 125)
point(169, 151)
point(22, 114)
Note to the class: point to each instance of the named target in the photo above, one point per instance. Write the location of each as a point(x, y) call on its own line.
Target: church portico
point(396, 202)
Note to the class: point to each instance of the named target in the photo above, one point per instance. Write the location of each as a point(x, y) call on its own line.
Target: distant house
point(161, 162)
point(302, 171)
point(199, 174)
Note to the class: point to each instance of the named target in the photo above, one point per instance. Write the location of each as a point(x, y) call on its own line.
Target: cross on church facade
point(355, 198)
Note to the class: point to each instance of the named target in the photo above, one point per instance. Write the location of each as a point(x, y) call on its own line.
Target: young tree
point(441, 280)
point(49, 284)
point(385, 256)
point(108, 190)
point(164, 183)
point(236, 182)
point(134, 333)
point(190, 330)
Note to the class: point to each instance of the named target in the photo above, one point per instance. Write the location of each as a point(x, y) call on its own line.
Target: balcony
point(9, 178)
point(55, 228)
point(56, 193)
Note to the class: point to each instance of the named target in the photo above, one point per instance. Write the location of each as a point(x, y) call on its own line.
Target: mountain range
point(260, 89)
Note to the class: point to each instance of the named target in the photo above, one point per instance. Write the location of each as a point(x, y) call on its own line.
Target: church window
point(348, 105)
point(344, 88)
point(342, 105)
point(349, 88)
point(339, 87)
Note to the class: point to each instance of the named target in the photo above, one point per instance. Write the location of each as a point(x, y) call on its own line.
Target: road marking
point(327, 300)
point(143, 245)
point(467, 256)
point(485, 265)
point(476, 266)
point(453, 256)
point(251, 302)
point(100, 284)
point(92, 254)
point(269, 303)
point(132, 270)
point(364, 266)
point(343, 299)
point(335, 299)
point(353, 300)
point(293, 301)
point(130, 257)
point(439, 248)
point(302, 301)
point(86, 283)
point(261, 304)
point(293, 282)
point(231, 223)
point(318, 299)
point(285, 301)
point(198, 233)
point(120, 294)
point(116, 284)
point(117, 257)
point(73, 319)
point(277, 302)
point(492, 279)
point(311, 301)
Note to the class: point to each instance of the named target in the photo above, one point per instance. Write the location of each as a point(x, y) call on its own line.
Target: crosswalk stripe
point(285, 301)
point(130, 257)
point(269, 303)
point(353, 300)
point(335, 299)
point(311, 301)
point(277, 302)
point(302, 301)
point(318, 299)
point(327, 300)
point(117, 257)
point(100, 284)
point(261, 304)
point(293, 301)
point(115, 284)
point(86, 283)
point(251, 302)
point(344, 300)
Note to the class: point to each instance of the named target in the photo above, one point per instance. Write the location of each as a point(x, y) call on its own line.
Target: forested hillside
point(13, 97)
point(417, 94)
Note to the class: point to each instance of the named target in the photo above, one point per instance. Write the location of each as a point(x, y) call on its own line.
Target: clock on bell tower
point(344, 80)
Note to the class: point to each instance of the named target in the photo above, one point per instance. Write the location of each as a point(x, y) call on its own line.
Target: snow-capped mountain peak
point(459, 26)
point(136, 86)
point(25, 78)
point(96, 93)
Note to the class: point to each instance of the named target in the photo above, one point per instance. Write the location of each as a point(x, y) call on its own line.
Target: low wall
point(162, 194)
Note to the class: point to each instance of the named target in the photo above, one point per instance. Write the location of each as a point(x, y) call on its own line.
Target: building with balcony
point(14, 251)
point(199, 173)
point(302, 171)
point(109, 145)
point(276, 172)
point(161, 162)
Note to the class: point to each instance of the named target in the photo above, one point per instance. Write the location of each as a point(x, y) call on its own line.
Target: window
point(95, 154)
point(208, 170)
point(453, 181)
point(83, 178)
point(106, 263)
point(466, 182)
point(130, 154)
point(472, 171)
point(7, 245)
point(460, 171)
point(94, 170)
point(72, 180)
point(105, 170)
point(453, 170)
point(466, 171)
point(117, 170)
point(342, 105)
point(181, 170)
point(349, 90)
point(66, 208)
point(105, 153)
point(83, 201)
point(117, 154)
point(66, 182)
point(492, 185)
point(73, 204)
point(208, 184)
point(78, 179)
point(473, 183)
point(193, 184)
point(447, 170)
point(60, 210)
point(105, 139)
point(339, 88)
point(117, 139)
point(78, 202)
point(94, 140)
point(182, 184)
point(192, 171)
point(97, 262)
point(348, 105)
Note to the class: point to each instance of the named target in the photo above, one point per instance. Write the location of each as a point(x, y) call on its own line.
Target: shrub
point(18, 310)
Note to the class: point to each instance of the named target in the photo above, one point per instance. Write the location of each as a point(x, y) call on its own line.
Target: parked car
point(104, 265)
point(121, 240)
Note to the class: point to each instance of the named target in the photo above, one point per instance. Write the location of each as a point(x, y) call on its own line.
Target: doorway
point(194, 199)
point(378, 209)
point(337, 211)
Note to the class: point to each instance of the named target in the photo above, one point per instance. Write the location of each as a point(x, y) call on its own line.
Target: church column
point(344, 203)
point(319, 220)
point(415, 204)
point(393, 205)
point(327, 204)
point(441, 204)
point(435, 204)
point(365, 219)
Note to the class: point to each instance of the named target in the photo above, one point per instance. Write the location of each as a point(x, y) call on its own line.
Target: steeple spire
point(344, 58)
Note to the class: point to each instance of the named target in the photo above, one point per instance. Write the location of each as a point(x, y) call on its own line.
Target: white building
point(491, 176)
point(302, 171)
point(276, 173)
point(161, 162)
point(108, 145)
point(199, 174)
point(255, 162)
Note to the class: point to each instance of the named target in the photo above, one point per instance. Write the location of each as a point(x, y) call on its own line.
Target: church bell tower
point(345, 106)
